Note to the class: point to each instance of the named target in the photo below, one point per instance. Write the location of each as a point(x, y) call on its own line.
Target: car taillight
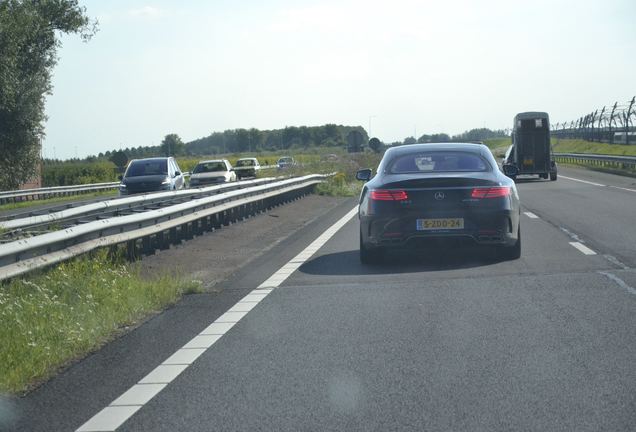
point(388, 195)
point(490, 192)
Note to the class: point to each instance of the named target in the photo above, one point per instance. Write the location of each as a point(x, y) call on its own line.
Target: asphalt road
point(438, 340)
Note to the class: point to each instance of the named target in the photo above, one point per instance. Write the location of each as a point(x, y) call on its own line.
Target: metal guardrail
point(12, 196)
point(127, 202)
point(617, 162)
point(146, 232)
point(48, 192)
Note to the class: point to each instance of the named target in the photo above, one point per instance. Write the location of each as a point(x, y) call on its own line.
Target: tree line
point(246, 140)
point(479, 134)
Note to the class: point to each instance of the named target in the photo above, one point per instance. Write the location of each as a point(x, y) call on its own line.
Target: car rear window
point(145, 168)
point(437, 162)
point(209, 167)
point(245, 162)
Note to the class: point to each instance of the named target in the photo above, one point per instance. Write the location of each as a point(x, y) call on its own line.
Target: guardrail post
point(174, 236)
point(147, 246)
point(131, 250)
point(162, 241)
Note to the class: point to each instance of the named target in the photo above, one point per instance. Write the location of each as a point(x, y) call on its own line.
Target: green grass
point(303, 156)
point(337, 185)
point(63, 199)
point(572, 146)
point(50, 319)
point(498, 143)
point(498, 146)
point(581, 146)
point(343, 183)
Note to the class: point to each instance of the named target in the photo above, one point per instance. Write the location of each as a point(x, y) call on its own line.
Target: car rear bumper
point(498, 228)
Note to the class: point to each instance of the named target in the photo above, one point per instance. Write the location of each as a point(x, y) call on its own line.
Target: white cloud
point(146, 12)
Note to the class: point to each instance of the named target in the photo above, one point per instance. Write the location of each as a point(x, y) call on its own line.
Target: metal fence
point(615, 124)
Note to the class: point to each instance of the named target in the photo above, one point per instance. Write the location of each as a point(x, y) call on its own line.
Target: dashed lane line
point(582, 181)
point(126, 405)
point(582, 248)
point(531, 215)
point(596, 184)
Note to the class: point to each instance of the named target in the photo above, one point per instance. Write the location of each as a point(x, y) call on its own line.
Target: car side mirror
point(177, 173)
point(510, 170)
point(120, 177)
point(364, 174)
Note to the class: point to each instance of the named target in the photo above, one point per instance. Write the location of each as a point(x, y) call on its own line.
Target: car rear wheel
point(512, 252)
point(369, 255)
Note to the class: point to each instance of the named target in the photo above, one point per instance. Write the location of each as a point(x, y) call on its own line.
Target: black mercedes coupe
point(432, 194)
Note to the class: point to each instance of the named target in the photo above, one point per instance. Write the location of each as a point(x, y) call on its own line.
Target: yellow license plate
point(440, 224)
point(528, 161)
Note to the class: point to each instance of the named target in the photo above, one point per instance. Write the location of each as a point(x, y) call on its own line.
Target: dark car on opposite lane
point(423, 193)
point(151, 175)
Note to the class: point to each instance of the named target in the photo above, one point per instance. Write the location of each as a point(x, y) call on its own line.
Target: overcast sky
point(405, 67)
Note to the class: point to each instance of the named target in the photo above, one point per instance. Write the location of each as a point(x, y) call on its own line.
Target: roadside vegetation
point(571, 146)
point(53, 318)
point(498, 146)
point(342, 165)
point(61, 199)
point(582, 146)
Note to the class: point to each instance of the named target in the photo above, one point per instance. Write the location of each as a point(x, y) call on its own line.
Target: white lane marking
point(138, 394)
point(596, 184)
point(531, 215)
point(622, 188)
point(202, 341)
point(122, 408)
point(242, 307)
point(231, 317)
point(581, 181)
point(109, 419)
point(184, 356)
point(582, 248)
point(619, 281)
point(217, 328)
point(163, 374)
point(281, 275)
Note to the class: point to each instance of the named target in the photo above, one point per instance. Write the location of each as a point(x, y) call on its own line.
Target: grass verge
point(581, 146)
point(53, 318)
point(72, 198)
point(345, 166)
point(627, 172)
